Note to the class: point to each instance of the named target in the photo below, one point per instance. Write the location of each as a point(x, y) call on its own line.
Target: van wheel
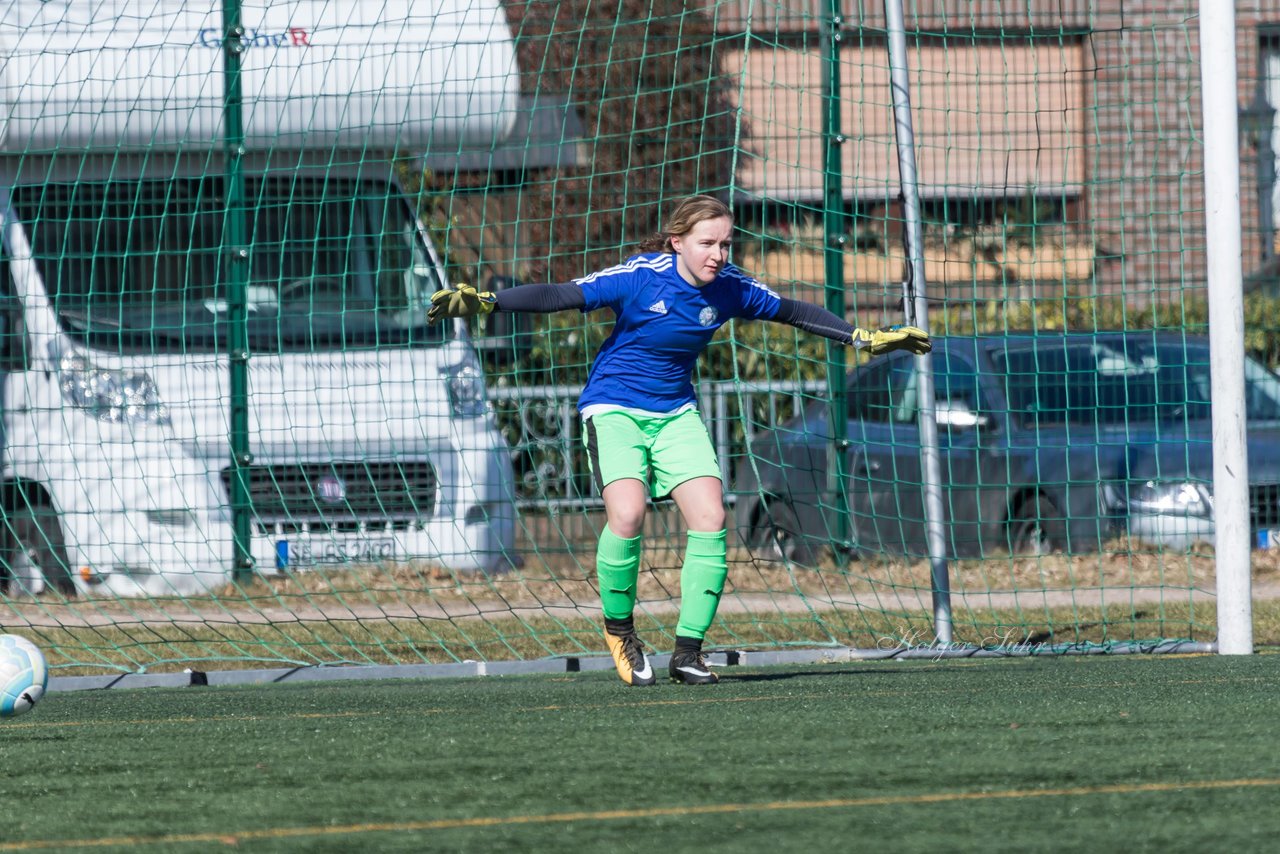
point(775, 533)
point(33, 543)
point(1037, 528)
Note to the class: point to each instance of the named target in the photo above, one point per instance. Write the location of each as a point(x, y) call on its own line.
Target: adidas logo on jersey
point(659, 307)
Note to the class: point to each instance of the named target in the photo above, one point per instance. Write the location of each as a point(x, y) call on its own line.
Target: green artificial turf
point(1078, 753)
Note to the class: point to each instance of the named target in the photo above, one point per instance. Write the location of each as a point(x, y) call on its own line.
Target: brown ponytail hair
point(688, 213)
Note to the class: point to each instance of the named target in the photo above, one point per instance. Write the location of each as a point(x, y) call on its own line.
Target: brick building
point(1090, 106)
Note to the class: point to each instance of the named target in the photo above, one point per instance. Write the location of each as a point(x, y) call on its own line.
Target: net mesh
point(231, 438)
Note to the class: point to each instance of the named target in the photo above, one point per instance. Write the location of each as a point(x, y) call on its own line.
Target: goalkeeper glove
point(464, 301)
point(890, 338)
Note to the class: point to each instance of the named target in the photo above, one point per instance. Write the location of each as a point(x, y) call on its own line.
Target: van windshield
point(143, 266)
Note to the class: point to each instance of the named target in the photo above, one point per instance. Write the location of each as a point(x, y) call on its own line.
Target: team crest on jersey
point(708, 315)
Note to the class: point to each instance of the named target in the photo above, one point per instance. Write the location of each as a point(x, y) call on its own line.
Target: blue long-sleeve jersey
point(663, 324)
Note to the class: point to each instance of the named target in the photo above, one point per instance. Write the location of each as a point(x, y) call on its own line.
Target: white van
point(370, 437)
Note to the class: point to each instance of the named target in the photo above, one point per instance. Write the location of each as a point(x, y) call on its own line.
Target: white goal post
point(1226, 326)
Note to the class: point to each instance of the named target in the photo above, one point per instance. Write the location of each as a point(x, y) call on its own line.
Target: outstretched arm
point(465, 301)
point(813, 318)
point(819, 321)
point(541, 299)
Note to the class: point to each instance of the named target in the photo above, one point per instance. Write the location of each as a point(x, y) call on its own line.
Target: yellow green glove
point(464, 301)
point(890, 338)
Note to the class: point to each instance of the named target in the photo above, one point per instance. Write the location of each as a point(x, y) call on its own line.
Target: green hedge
point(564, 344)
point(1084, 314)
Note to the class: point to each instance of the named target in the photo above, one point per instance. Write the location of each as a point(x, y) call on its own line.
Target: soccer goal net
point(232, 439)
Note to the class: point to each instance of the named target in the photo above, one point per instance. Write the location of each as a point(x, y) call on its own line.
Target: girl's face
point(702, 253)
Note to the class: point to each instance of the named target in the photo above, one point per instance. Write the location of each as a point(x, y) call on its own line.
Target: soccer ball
point(23, 675)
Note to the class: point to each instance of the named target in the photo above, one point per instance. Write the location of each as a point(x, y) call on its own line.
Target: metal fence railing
point(542, 425)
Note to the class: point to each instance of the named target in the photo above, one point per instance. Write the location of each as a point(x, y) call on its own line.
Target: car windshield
point(1113, 381)
point(143, 266)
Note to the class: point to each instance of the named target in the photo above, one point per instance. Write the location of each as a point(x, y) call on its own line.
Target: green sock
point(701, 582)
point(617, 570)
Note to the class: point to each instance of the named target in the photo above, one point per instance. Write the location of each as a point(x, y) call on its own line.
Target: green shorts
point(660, 451)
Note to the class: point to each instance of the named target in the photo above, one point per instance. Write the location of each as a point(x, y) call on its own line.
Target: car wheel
point(1036, 528)
point(34, 547)
point(776, 535)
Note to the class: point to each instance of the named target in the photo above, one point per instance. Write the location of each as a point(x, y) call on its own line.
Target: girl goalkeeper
point(644, 436)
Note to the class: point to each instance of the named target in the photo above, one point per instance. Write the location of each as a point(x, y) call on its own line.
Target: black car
point(1046, 442)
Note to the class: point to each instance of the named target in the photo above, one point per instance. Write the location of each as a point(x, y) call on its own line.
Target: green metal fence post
point(236, 251)
point(834, 240)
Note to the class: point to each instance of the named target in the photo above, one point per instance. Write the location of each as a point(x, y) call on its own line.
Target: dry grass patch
point(420, 613)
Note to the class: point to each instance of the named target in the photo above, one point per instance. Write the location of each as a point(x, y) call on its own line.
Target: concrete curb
point(583, 664)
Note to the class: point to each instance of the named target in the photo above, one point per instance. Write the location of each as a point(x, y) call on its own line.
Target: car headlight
point(465, 382)
point(1163, 498)
point(115, 396)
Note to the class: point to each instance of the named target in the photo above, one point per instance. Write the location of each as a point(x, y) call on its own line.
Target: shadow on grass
point(730, 675)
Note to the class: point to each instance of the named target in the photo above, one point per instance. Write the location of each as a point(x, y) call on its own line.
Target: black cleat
point(628, 654)
point(690, 667)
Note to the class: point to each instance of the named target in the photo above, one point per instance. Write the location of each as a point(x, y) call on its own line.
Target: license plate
point(313, 552)
point(1269, 539)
